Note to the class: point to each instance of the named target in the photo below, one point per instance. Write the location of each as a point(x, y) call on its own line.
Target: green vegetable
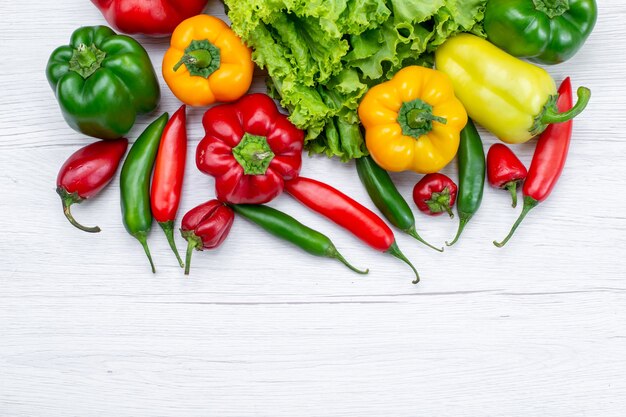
point(323, 55)
point(102, 81)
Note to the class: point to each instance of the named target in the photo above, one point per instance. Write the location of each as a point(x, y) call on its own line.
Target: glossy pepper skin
point(102, 81)
point(435, 194)
point(169, 171)
point(513, 99)
point(349, 214)
point(206, 227)
point(148, 17)
point(548, 160)
point(505, 170)
point(544, 31)
point(135, 183)
point(387, 199)
point(251, 149)
point(207, 62)
point(287, 228)
point(86, 172)
point(412, 122)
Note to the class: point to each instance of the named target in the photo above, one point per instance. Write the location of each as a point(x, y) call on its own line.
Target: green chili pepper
point(386, 197)
point(471, 160)
point(135, 183)
point(286, 227)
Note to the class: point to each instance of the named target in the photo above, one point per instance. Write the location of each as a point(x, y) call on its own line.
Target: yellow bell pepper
point(413, 121)
point(513, 99)
point(207, 62)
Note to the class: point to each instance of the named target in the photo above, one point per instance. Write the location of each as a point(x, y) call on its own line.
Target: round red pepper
point(505, 170)
point(251, 149)
point(435, 194)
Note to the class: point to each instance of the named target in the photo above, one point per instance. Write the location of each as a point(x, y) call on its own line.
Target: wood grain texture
point(261, 329)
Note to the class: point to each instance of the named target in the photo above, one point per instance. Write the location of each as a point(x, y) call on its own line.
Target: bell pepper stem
point(334, 253)
point(529, 204)
point(141, 237)
point(191, 245)
point(552, 114)
point(511, 187)
point(412, 232)
point(168, 228)
point(395, 251)
point(463, 220)
point(67, 199)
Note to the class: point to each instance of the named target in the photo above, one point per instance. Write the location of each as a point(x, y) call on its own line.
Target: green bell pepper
point(544, 31)
point(102, 81)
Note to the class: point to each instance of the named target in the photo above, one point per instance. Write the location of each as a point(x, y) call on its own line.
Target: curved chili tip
point(394, 250)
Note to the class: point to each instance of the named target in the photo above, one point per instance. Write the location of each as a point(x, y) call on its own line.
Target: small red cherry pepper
point(505, 170)
point(435, 194)
point(251, 149)
point(167, 180)
point(206, 227)
point(86, 172)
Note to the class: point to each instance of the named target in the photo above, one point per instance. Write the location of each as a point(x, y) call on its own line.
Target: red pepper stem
point(67, 199)
point(168, 228)
point(552, 114)
point(395, 251)
point(334, 253)
point(529, 204)
point(463, 220)
point(141, 237)
point(511, 187)
point(412, 232)
point(191, 245)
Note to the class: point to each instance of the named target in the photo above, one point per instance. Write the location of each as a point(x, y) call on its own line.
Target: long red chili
point(167, 180)
point(86, 172)
point(548, 160)
point(347, 213)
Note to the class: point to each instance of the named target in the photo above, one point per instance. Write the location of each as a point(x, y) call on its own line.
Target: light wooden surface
point(262, 329)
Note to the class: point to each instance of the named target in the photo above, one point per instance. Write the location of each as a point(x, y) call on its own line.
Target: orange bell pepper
point(207, 62)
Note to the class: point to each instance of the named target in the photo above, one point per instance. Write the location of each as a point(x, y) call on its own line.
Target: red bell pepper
point(251, 149)
point(435, 194)
point(148, 17)
point(505, 170)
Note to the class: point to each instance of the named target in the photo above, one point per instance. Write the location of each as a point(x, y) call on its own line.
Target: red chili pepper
point(167, 180)
point(548, 160)
point(148, 17)
point(435, 194)
point(505, 170)
point(86, 172)
point(347, 213)
point(251, 149)
point(206, 227)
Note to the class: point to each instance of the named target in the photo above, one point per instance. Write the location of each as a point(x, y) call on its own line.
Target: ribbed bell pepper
point(513, 99)
point(102, 81)
point(413, 121)
point(545, 31)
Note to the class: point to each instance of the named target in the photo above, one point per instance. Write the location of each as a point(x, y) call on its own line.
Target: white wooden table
point(262, 329)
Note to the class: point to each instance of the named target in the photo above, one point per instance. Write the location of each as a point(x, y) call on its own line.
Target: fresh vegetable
point(206, 227)
point(386, 197)
point(135, 183)
point(435, 194)
point(86, 172)
point(148, 17)
point(169, 171)
point(548, 160)
point(413, 121)
point(250, 148)
point(322, 56)
point(286, 227)
point(545, 31)
point(102, 81)
point(505, 170)
point(511, 98)
point(471, 176)
point(347, 213)
point(207, 62)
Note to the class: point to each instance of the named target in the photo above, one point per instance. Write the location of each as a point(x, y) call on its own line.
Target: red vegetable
point(167, 180)
point(148, 17)
point(251, 149)
point(435, 194)
point(548, 160)
point(206, 227)
point(86, 172)
point(347, 213)
point(505, 170)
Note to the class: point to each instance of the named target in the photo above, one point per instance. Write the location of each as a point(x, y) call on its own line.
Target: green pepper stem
point(412, 232)
point(463, 220)
point(529, 204)
point(552, 114)
point(552, 8)
point(191, 245)
point(418, 119)
point(141, 237)
point(334, 253)
point(168, 228)
point(511, 187)
point(395, 251)
point(67, 199)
